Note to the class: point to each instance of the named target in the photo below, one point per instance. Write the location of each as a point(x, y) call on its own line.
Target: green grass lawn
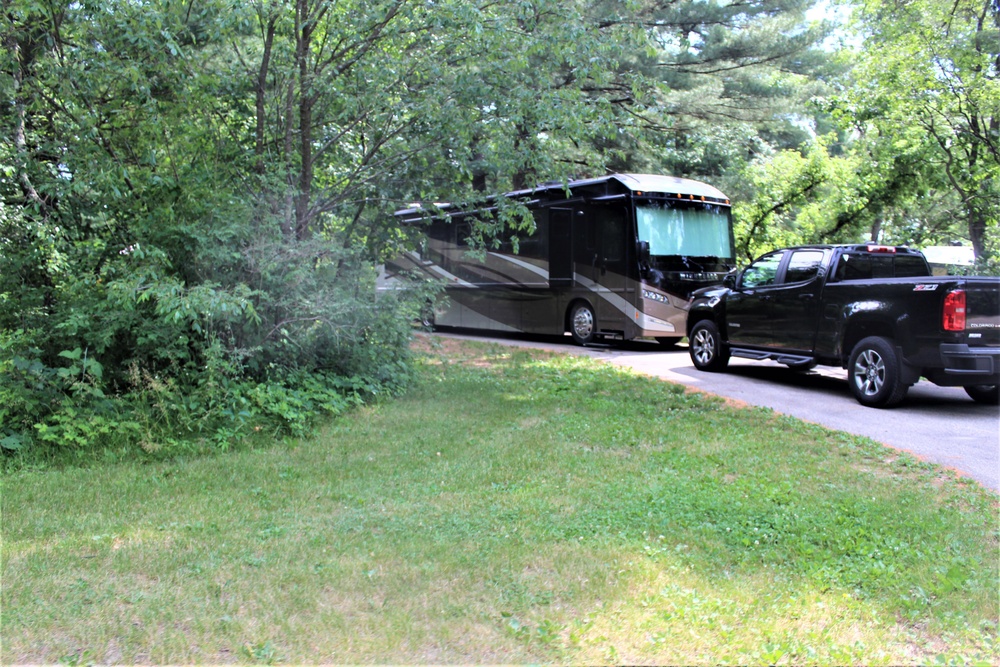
point(514, 506)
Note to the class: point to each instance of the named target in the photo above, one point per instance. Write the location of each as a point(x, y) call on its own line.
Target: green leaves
point(926, 100)
point(81, 366)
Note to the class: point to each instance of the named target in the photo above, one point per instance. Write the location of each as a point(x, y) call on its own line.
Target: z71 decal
point(924, 288)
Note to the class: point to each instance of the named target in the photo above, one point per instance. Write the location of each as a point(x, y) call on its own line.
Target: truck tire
point(875, 373)
point(582, 323)
point(987, 394)
point(708, 353)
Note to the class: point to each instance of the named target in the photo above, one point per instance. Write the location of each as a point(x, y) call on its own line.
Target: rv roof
point(634, 182)
point(658, 183)
point(638, 183)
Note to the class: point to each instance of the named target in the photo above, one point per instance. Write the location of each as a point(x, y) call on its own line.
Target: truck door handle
point(806, 297)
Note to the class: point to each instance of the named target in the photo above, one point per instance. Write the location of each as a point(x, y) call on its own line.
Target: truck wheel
point(874, 373)
point(582, 323)
point(987, 394)
point(706, 348)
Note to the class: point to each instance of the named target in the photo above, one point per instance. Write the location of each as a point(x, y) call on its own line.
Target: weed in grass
point(77, 658)
point(578, 629)
point(517, 629)
point(260, 653)
point(549, 632)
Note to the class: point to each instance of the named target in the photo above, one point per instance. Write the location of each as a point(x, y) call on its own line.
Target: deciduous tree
point(926, 91)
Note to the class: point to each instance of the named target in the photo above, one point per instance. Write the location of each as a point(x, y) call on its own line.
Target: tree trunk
point(22, 56)
point(304, 195)
point(876, 230)
point(977, 231)
point(265, 63)
point(288, 221)
point(303, 45)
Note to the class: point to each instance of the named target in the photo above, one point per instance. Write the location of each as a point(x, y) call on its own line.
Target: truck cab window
point(763, 272)
point(803, 265)
point(853, 267)
point(911, 266)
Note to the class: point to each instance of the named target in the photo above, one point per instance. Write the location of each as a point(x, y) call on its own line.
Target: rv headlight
point(654, 296)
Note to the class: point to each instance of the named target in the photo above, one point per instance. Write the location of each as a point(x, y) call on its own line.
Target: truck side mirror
point(731, 280)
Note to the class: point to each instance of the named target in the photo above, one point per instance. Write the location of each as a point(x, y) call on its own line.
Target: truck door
point(748, 307)
point(794, 304)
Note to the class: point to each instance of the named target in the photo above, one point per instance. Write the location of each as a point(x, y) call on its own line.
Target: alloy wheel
point(703, 345)
point(869, 372)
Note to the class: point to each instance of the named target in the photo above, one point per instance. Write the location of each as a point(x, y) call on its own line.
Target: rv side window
point(462, 232)
point(441, 230)
point(612, 223)
point(536, 245)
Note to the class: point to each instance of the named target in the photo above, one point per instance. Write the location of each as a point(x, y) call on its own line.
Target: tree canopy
point(193, 196)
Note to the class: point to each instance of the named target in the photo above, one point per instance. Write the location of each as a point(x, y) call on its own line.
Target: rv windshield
point(689, 231)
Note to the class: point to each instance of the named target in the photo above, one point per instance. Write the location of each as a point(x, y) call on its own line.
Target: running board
point(780, 357)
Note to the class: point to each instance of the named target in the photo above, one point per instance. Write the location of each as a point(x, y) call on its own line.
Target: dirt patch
point(430, 344)
point(442, 349)
point(728, 402)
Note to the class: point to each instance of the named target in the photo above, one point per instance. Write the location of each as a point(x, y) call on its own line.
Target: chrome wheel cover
point(869, 372)
point(583, 323)
point(703, 346)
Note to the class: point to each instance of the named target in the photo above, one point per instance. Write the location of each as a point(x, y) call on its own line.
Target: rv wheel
point(582, 323)
point(427, 316)
point(669, 343)
point(988, 394)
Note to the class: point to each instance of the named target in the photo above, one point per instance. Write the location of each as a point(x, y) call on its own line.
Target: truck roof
point(874, 248)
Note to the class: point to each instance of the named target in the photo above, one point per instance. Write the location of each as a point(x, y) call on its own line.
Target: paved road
point(937, 424)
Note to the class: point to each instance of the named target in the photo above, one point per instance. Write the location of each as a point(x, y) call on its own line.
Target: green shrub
point(158, 364)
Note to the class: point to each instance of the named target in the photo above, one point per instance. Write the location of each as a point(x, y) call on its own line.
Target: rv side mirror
point(642, 251)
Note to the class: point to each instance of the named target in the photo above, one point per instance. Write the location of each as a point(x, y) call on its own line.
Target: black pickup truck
point(874, 310)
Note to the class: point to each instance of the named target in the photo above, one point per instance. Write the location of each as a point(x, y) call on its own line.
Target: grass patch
point(515, 506)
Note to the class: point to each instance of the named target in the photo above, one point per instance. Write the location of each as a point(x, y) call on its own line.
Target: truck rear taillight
point(953, 316)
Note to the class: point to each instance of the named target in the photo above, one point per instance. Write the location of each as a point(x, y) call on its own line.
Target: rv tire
point(669, 343)
point(987, 394)
point(427, 316)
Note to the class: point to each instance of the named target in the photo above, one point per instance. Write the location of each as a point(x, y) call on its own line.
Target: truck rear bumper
point(964, 365)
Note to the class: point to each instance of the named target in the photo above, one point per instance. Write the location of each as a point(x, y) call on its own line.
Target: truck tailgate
point(982, 303)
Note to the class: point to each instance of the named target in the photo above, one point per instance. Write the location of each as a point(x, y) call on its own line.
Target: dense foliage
point(193, 197)
point(908, 150)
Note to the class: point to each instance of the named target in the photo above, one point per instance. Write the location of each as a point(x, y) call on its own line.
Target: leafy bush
point(144, 357)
